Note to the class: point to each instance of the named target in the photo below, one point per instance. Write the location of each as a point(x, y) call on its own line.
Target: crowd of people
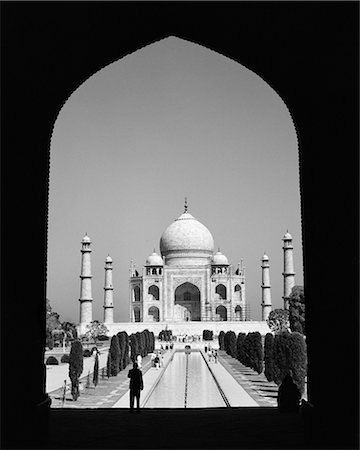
point(212, 353)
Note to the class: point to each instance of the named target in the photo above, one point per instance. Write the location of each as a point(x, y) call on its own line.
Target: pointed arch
point(154, 314)
point(221, 311)
point(154, 292)
point(136, 294)
point(221, 291)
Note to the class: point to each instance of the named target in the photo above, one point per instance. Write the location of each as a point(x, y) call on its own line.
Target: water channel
point(187, 383)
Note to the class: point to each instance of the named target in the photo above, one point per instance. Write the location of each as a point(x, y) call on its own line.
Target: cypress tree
point(115, 356)
point(258, 352)
point(268, 357)
point(108, 365)
point(127, 350)
point(96, 370)
point(281, 356)
point(297, 359)
point(132, 343)
point(232, 344)
point(221, 340)
point(152, 337)
point(122, 345)
point(239, 347)
point(247, 356)
point(75, 367)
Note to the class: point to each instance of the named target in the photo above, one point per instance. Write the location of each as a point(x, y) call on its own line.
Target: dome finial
point(186, 205)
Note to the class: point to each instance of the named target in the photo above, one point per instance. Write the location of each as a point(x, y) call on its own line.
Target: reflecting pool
point(186, 383)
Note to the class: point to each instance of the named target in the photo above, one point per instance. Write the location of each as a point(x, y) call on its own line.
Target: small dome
point(219, 259)
point(108, 258)
point(154, 260)
point(86, 238)
point(265, 257)
point(287, 236)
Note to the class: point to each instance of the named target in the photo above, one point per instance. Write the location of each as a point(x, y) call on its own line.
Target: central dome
point(186, 242)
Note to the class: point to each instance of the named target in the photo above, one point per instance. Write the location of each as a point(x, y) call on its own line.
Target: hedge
point(208, 335)
point(103, 337)
point(65, 358)
point(165, 335)
point(52, 361)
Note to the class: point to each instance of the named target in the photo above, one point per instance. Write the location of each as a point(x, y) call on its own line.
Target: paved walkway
point(55, 375)
point(257, 387)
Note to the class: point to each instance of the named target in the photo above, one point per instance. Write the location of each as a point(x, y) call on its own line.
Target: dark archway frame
point(308, 52)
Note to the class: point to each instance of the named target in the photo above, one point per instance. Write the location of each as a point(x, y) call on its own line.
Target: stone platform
point(185, 328)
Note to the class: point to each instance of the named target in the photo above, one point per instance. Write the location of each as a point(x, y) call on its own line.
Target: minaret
point(85, 283)
point(108, 292)
point(266, 288)
point(288, 274)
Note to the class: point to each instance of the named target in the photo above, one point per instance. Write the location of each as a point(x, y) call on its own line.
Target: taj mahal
point(187, 288)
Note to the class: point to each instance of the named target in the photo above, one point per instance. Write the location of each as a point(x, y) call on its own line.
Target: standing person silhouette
point(136, 385)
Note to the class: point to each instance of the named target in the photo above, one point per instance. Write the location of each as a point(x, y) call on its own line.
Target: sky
point(173, 119)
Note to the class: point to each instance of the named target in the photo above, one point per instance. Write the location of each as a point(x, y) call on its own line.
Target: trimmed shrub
point(297, 359)
point(75, 367)
point(240, 340)
point(65, 358)
point(115, 356)
point(281, 356)
point(86, 353)
point(269, 357)
point(103, 337)
point(221, 338)
point(52, 361)
point(208, 335)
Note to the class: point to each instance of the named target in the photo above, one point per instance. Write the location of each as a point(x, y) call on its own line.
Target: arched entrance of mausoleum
point(187, 303)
